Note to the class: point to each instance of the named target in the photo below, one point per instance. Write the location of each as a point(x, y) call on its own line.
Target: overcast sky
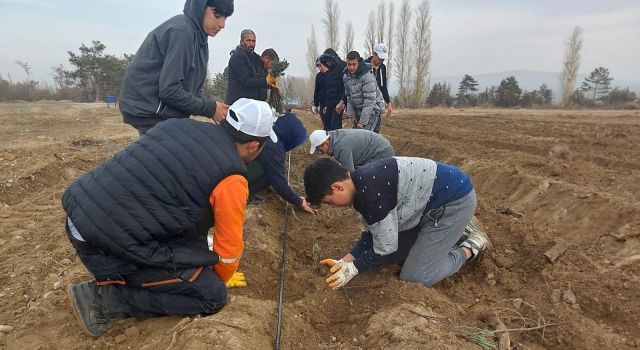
point(468, 36)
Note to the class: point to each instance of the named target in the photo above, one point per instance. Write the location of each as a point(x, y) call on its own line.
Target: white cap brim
point(312, 150)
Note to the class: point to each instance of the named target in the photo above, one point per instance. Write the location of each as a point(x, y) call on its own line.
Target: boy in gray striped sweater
point(414, 211)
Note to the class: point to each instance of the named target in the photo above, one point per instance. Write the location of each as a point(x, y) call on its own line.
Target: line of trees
point(408, 38)
point(93, 75)
point(595, 91)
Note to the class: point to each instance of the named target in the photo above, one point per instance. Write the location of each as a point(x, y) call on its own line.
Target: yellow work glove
point(237, 280)
point(341, 274)
point(331, 264)
point(271, 81)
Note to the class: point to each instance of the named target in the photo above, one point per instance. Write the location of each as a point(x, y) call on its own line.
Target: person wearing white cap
point(139, 221)
point(380, 52)
point(352, 148)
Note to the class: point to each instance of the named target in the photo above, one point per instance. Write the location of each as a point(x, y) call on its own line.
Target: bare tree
point(331, 23)
point(348, 39)
point(31, 84)
point(403, 68)
point(388, 61)
point(570, 65)
point(421, 54)
point(382, 22)
point(312, 55)
point(370, 34)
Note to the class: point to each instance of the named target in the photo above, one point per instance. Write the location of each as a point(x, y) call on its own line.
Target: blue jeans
point(126, 290)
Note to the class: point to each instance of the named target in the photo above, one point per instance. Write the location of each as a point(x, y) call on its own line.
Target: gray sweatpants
point(432, 258)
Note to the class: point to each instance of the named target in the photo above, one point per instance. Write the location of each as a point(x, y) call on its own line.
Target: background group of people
point(139, 221)
point(358, 85)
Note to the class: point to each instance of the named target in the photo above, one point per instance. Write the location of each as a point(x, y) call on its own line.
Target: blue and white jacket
point(393, 194)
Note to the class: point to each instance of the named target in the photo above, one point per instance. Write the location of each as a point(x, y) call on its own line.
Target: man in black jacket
point(139, 221)
point(247, 72)
point(330, 89)
point(380, 71)
point(165, 77)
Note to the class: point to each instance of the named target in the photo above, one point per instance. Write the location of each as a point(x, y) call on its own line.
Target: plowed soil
point(544, 179)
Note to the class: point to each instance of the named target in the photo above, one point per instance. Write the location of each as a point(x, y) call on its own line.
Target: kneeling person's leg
point(432, 258)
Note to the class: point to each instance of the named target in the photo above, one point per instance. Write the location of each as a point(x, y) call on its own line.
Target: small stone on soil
point(568, 297)
point(65, 261)
point(132, 332)
point(121, 338)
point(57, 285)
point(517, 303)
point(556, 295)
point(5, 328)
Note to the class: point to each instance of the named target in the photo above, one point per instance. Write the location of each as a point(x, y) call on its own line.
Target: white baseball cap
point(317, 138)
point(381, 50)
point(252, 117)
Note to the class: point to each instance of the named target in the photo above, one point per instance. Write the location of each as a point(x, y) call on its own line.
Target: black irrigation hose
point(285, 242)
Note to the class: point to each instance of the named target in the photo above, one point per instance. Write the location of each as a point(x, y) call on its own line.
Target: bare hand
point(389, 109)
point(340, 107)
point(221, 112)
point(306, 207)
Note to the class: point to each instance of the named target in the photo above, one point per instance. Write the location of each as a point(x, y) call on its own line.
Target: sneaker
point(91, 319)
point(466, 233)
point(255, 200)
point(477, 239)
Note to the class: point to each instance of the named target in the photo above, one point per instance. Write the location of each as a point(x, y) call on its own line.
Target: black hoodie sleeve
point(382, 83)
point(177, 63)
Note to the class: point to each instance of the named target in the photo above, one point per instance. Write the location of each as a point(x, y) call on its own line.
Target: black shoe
point(255, 200)
point(91, 318)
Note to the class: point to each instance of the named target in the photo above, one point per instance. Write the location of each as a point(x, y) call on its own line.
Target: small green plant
point(276, 99)
point(315, 254)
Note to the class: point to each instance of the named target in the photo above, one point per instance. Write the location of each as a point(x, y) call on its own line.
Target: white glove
point(342, 274)
point(314, 109)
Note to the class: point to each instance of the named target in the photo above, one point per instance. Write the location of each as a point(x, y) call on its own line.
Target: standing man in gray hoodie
point(164, 80)
point(352, 148)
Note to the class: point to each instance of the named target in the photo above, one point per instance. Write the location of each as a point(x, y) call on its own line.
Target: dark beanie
point(222, 7)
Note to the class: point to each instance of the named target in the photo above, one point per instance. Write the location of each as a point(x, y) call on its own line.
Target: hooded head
point(211, 22)
point(290, 131)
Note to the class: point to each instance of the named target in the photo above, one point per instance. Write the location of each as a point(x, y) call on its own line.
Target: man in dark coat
point(332, 89)
point(248, 72)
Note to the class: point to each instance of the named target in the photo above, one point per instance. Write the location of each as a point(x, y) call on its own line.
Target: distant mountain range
point(529, 80)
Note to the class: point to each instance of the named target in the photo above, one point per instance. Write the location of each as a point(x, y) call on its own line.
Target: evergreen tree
point(528, 98)
point(216, 87)
point(440, 95)
point(544, 96)
point(598, 81)
point(488, 96)
point(618, 96)
point(97, 74)
point(466, 97)
point(508, 92)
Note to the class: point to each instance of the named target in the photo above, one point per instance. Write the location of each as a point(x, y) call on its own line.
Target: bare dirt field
point(568, 180)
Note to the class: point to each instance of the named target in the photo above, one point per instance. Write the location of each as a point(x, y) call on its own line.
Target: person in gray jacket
point(164, 80)
point(352, 148)
point(364, 99)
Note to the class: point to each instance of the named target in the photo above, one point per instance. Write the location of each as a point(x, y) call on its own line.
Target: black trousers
point(123, 290)
point(331, 120)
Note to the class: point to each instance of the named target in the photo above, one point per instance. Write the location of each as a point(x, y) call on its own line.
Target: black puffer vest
point(149, 204)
